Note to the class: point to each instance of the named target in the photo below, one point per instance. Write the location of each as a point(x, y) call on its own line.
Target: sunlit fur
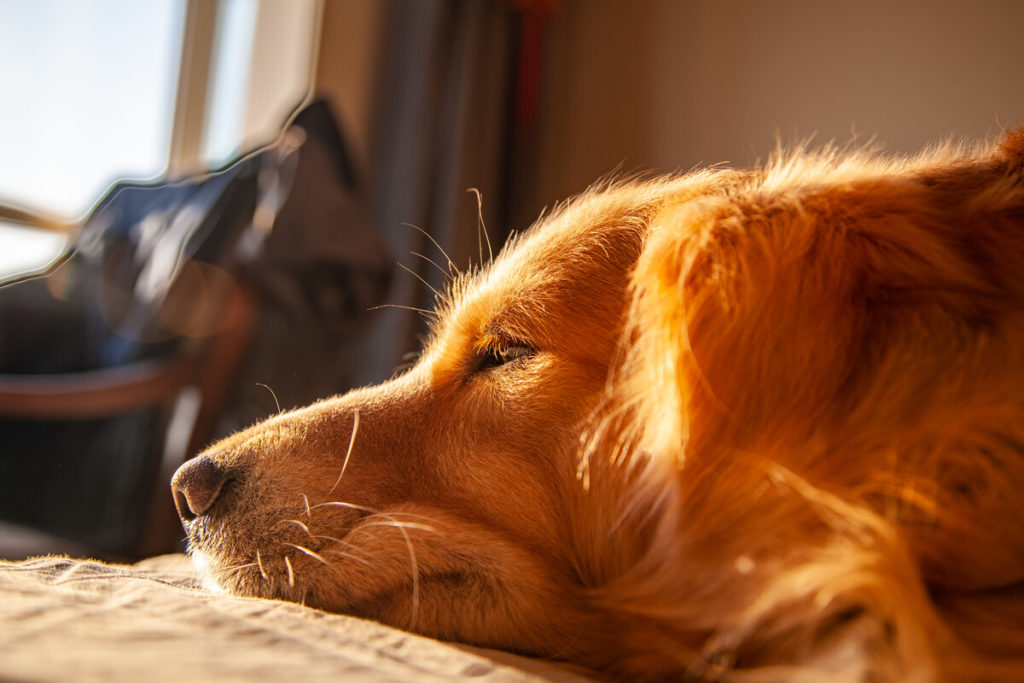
point(762, 425)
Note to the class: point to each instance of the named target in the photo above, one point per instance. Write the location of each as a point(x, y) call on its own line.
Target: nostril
point(196, 485)
point(181, 504)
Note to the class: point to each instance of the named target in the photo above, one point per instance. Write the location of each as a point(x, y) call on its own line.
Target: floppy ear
point(863, 332)
point(767, 312)
point(742, 325)
point(734, 296)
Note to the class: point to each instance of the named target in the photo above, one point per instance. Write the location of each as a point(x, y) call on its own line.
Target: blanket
point(83, 620)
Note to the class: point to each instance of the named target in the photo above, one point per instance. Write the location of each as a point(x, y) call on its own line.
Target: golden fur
point(762, 425)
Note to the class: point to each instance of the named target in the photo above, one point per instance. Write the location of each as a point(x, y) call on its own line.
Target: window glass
point(88, 97)
point(229, 81)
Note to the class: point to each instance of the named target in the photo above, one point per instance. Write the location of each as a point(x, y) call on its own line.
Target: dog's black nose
point(196, 486)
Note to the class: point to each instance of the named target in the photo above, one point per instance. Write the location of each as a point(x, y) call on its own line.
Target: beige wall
point(283, 53)
point(347, 66)
point(672, 83)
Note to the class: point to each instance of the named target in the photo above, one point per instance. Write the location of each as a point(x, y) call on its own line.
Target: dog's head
point(657, 432)
point(448, 499)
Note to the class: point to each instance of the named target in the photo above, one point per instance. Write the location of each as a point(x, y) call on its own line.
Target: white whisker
point(389, 521)
point(349, 556)
point(447, 274)
point(393, 523)
point(400, 514)
point(291, 572)
point(340, 542)
point(420, 278)
point(295, 522)
point(332, 539)
point(342, 504)
point(267, 387)
point(311, 553)
point(430, 314)
point(305, 500)
point(398, 525)
point(415, 578)
point(480, 227)
point(451, 265)
point(235, 568)
point(259, 563)
point(348, 453)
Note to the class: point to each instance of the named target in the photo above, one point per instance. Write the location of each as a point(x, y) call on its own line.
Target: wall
point(668, 84)
point(347, 66)
point(283, 54)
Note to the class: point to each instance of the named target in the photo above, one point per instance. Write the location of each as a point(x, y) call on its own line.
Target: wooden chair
point(189, 389)
point(101, 354)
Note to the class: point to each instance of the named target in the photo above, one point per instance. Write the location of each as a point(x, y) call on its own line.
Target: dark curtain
point(443, 124)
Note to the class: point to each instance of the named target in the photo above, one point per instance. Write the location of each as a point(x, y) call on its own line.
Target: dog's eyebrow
point(503, 329)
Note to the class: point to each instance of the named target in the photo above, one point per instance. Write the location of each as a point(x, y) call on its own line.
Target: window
point(88, 97)
point(100, 90)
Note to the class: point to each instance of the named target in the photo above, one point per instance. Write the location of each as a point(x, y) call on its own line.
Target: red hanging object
point(529, 73)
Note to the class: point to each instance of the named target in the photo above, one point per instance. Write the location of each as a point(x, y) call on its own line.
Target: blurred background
point(207, 206)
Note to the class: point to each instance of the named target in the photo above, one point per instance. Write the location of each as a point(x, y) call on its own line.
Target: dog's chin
point(207, 573)
point(274, 574)
point(448, 578)
point(279, 552)
point(284, 567)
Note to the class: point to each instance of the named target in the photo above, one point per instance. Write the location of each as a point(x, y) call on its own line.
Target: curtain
point(443, 124)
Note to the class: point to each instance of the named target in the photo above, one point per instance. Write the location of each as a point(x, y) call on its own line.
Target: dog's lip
point(212, 536)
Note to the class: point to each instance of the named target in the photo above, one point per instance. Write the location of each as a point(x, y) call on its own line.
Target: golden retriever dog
point(729, 425)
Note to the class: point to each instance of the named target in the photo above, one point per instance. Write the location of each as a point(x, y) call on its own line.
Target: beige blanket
point(66, 619)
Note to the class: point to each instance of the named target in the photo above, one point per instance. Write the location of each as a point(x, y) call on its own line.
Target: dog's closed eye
point(498, 354)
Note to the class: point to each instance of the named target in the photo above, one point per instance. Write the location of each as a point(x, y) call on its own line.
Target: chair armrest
point(95, 393)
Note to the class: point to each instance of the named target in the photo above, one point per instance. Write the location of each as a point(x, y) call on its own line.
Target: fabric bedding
point(70, 619)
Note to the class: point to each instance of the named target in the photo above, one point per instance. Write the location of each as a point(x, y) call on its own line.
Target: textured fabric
point(68, 619)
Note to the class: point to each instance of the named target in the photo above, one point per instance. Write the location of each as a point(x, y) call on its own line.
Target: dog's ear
point(827, 326)
point(740, 299)
point(766, 313)
point(826, 333)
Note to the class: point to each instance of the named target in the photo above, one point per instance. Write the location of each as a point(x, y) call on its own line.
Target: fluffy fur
point(762, 425)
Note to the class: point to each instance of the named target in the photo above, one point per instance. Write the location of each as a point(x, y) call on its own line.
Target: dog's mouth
point(259, 554)
point(370, 563)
